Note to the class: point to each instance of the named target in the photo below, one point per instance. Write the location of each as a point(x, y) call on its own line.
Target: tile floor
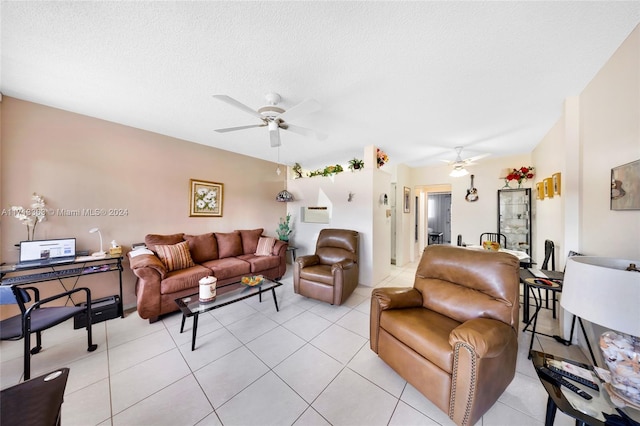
point(309, 364)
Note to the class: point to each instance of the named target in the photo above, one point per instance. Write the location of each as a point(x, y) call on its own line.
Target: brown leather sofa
point(331, 274)
point(227, 256)
point(453, 335)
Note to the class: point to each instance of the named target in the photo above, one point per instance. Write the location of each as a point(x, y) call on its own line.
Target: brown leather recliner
point(331, 274)
point(453, 335)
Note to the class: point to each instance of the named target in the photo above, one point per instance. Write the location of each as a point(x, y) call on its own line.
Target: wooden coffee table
point(192, 307)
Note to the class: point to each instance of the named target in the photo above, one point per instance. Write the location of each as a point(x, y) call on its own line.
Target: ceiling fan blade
point(476, 158)
point(306, 132)
point(229, 100)
point(303, 108)
point(233, 129)
point(274, 134)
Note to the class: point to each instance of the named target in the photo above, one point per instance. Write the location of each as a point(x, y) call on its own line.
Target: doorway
point(438, 218)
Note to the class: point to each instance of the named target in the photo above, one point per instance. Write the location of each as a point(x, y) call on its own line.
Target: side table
point(292, 250)
point(557, 399)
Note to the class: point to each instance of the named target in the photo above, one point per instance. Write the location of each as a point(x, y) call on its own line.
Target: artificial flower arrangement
point(382, 157)
point(520, 175)
point(32, 216)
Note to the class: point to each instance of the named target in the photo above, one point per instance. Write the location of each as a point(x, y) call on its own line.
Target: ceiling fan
point(459, 165)
point(273, 117)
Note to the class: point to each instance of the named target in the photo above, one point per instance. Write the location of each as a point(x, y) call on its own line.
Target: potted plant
point(355, 164)
point(297, 169)
point(284, 229)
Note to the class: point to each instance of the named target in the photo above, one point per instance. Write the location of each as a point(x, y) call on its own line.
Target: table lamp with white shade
point(606, 291)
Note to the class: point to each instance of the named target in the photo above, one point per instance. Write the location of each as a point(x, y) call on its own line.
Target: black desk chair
point(550, 255)
point(36, 318)
point(495, 237)
point(36, 402)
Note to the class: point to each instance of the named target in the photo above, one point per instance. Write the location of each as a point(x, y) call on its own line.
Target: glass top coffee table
point(191, 306)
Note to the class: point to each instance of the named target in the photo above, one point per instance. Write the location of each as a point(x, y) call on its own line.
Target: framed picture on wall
point(548, 187)
point(556, 179)
point(540, 190)
point(406, 199)
point(625, 186)
point(205, 199)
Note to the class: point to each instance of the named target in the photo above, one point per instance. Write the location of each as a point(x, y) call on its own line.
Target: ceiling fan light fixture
point(458, 171)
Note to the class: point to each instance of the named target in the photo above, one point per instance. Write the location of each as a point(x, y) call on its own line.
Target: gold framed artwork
point(548, 187)
point(556, 180)
point(206, 198)
point(540, 190)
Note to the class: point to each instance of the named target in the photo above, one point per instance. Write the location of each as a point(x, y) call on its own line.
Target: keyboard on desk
point(43, 276)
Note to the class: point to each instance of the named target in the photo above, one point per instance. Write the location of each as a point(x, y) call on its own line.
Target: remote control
point(573, 377)
point(557, 378)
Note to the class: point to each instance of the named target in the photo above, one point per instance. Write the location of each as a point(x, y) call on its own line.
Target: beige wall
point(78, 162)
point(599, 130)
point(610, 137)
point(472, 219)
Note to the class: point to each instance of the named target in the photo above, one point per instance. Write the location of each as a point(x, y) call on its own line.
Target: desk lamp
point(100, 253)
point(603, 291)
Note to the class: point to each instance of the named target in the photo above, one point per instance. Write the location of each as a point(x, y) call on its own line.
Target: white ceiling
point(414, 78)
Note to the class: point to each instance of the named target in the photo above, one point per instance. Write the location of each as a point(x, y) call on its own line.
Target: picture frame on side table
point(205, 199)
point(405, 199)
point(548, 188)
point(540, 190)
point(557, 182)
point(625, 186)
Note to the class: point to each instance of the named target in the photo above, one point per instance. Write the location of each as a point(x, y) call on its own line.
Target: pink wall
point(77, 162)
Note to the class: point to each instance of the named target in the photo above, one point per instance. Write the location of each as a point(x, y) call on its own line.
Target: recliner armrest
point(343, 264)
point(488, 337)
point(396, 297)
point(307, 260)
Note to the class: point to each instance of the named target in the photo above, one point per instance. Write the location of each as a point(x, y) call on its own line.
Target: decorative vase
point(621, 354)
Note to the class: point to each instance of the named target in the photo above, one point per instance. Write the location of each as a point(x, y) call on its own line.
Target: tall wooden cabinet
point(514, 218)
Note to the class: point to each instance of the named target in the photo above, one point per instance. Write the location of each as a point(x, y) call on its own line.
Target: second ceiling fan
point(273, 117)
point(459, 165)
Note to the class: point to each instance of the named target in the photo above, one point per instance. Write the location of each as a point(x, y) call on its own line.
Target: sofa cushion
point(229, 244)
point(425, 331)
point(265, 246)
point(261, 263)
point(250, 239)
point(202, 247)
point(228, 267)
point(183, 279)
point(176, 256)
point(151, 240)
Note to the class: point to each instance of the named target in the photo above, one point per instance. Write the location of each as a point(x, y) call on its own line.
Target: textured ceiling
point(414, 78)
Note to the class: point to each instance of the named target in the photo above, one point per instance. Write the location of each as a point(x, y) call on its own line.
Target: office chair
point(495, 237)
point(36, 318)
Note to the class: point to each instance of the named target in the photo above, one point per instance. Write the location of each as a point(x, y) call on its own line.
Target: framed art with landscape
point(205, 199)
point(625, 186)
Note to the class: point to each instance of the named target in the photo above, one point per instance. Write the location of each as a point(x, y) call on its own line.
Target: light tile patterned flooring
point(309, 364)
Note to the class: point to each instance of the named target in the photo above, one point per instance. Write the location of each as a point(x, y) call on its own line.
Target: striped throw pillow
point(265, 245)
point(176, 256)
